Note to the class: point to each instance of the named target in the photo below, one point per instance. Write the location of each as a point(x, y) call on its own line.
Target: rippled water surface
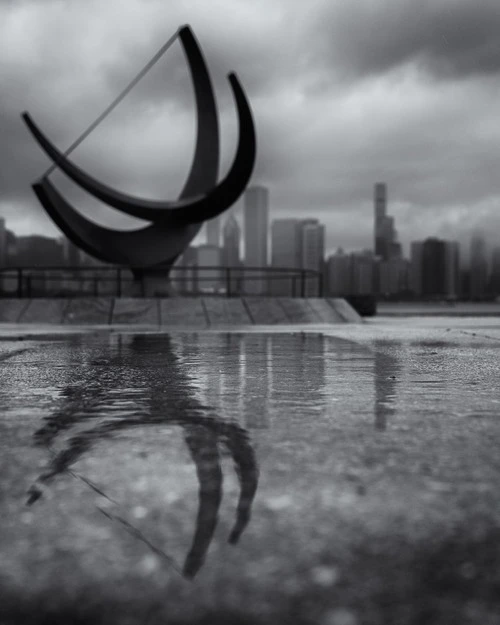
point(252, 475)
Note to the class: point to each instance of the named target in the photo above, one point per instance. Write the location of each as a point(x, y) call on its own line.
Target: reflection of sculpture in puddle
point(150, 365)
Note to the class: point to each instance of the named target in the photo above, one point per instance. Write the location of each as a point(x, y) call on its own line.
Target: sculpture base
point(151, 283)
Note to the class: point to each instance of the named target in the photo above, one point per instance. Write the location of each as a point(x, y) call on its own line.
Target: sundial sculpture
point(174, 224)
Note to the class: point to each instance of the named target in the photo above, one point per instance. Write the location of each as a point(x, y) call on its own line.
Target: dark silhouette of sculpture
point(170, 404)
point(175, 223)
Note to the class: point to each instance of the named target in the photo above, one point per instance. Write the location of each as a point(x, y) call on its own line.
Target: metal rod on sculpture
point(117, 100)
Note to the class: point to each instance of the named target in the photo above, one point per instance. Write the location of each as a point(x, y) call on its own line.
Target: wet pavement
point(341, 475)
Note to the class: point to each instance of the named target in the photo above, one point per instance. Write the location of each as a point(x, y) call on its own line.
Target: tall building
point(415, 280)
point(338, 274)
point(312, 250)
point(478, 274)
point(231, 235)
point(435, 268)
point(285, 253)
point(393, 276)
point(385, 244)
point(434, 259)
point(495, 272)
point(37, 250)
point(213, 231)
point(285, 243)
point(209, 280)
point(453, 286)
point(3, 243)
point(362, 273)
point(256, 219)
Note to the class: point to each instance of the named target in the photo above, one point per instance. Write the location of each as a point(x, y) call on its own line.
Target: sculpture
point(174, 224)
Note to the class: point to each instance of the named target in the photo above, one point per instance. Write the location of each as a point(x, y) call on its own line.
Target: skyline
point(410, 97)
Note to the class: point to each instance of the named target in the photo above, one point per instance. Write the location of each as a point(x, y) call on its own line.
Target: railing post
point(302, 283)
point(119, 282)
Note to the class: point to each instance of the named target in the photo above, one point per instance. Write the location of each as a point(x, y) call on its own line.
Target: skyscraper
point(478, 267)
point(285, 243)
point(416, 284)
point(339, 274)
point(256, 219)
point(495, 271)
point(3, 243)
point(231, 235)
point(209, 280)
point(312, 249)
point(386, 244)
point(285, 252)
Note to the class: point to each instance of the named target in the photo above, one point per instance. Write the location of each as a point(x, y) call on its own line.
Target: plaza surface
point(359, 463)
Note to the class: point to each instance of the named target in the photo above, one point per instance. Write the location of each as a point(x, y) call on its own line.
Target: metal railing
point(88, 281)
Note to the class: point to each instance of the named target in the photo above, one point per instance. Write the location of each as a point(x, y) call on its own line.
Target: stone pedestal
point(152, 283)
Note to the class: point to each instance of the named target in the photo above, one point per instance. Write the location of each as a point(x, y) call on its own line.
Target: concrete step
point(189, 312)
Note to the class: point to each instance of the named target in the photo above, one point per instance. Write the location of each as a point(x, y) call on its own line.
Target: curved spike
point(238, 443)
point(136, 248)
point(202, 445)
point(188, 210)
point(154, 244)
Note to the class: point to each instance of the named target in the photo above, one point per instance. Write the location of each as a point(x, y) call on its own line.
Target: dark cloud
point(343, 93)
point(447, 39)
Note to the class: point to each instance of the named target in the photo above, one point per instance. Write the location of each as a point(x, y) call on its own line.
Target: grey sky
point(344, 94)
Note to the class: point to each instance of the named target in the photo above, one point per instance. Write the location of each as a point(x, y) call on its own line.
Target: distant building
point(231, 236)
point(209, 280)
point(213, 231)
point(3, 243)
point(435, 269)
point(362, 273)
point(385, 236)
point(36, 250)
point(256, 220)
point(393, 276)
point(312, 250)
point(285, 253)
point(338, 274)
point(415, 278)
point(453, 286)
point(495, 272)
point(478, 274)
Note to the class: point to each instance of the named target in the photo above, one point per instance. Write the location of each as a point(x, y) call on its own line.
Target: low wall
point(178, 311)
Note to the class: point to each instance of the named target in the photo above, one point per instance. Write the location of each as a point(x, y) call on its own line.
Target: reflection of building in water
point(386, 370)
point(215, 365)
point(256, 372)
point(349, 375)
point(297, 365)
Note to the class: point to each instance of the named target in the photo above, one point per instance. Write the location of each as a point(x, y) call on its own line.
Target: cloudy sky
point(344, 94)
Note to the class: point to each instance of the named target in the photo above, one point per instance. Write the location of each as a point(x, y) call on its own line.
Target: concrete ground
point(325, 474)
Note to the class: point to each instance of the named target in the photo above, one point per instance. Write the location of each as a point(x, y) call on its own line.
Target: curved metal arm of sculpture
point(188, 210)
point(136, 248)
point(202, 445)
point(154, 244)
point(202, 434)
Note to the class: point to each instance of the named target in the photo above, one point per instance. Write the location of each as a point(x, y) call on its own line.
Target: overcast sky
point(344, 94)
